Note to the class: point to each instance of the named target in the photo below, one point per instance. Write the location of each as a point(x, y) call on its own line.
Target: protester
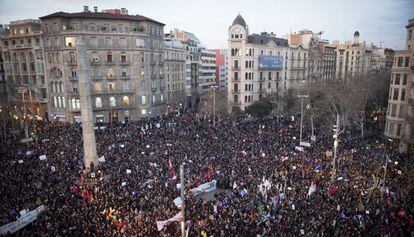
point(266, 187)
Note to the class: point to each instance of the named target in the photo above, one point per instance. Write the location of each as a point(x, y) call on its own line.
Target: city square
point(117, 124)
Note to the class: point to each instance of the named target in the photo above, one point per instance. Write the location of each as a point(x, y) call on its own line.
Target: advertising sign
point(270, 62)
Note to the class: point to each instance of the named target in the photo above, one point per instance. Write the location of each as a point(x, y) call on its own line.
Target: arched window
point(98, 102)
point(112, 101)
point(55, 101)
point(125, 100)
point(55, 73)
point(59, 102)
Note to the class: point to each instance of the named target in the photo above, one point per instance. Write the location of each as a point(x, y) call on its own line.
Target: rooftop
point(265, 38)
point(100, 15)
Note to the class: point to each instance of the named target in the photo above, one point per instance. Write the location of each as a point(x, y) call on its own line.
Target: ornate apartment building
point(321, 56)
point(175, 72)
point(261, 65)
point(400, 114)
point(353, 58)
point(126, 64)
point(193, 49)
point(23, 69)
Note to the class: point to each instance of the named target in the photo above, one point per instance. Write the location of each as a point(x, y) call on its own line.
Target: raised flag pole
point(183, 203)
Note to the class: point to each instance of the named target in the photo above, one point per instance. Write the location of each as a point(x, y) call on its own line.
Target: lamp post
point(182, 199)
point(214, 104)
point(301, 115)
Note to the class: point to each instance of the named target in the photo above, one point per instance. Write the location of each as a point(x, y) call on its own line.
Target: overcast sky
point(376, 20)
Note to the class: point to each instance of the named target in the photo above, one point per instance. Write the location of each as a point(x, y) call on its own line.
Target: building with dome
point(261, 66)
point(353, 58)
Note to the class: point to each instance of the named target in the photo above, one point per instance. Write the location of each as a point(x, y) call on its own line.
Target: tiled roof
point(100, 15)
point(264, 39)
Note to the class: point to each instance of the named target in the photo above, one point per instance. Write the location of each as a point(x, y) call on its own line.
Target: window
point(410, 34)
point(94, 42)
point(393, 110)
point(407, 61)
point(109, 57)
point(70, 41)
point(400, 61)
point(97, 87)
point(123, 42)
point(140, 43)
point(110, 73)
point(123, 57)
point(401, 112)
point(405, 78)
point(98, 102)
point(398, 129)
point(403, 94)
point(124, 72)
point(126, 86)
point(108, 42)
point(143, 99)
point(55, 102)
point(73, 72)
point(111, 86)
point(112, 101)
point(95, 72)
point(397, 79)
point(125, 100)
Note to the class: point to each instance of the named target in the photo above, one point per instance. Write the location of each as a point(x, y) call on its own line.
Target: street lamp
point(214, 104)
point(301, 115)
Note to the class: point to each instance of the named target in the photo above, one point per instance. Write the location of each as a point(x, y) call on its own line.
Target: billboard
point(270, 62)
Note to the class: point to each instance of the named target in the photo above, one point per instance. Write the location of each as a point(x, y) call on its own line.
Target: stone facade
point(353, 58)
point(400, 114)
point(23, 69)
point(126, 65)
point(175, 72)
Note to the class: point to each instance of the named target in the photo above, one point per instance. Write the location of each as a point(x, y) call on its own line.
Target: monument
point(88, 132)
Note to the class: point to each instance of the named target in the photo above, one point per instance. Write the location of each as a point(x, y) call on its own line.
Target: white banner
point(21, 222)
point(161, 224)
point(204, 188)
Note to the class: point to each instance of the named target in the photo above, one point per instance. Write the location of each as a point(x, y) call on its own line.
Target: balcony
point(153, 76)
point(235, 68)
point(161, 76)
point(71, 63)
point(96, 77)
point(235, 91)
point(125, 76)
point(153, 89)
point(153, 63)
point(162, 88)
point(235, 79)
point(124, 62)
point(111, 62)
point(73, 78)
point(161, 63)
point(110, 77)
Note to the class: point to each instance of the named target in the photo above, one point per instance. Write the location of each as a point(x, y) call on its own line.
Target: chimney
point(85, 8)
point(95, 9)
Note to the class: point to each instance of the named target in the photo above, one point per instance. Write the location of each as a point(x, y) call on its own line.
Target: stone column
point(88, 132)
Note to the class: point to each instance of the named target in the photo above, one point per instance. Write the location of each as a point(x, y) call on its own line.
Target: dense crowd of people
point(137, 183)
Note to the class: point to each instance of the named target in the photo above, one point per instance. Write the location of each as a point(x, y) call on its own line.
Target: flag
point(312, 188)
point(170, 167)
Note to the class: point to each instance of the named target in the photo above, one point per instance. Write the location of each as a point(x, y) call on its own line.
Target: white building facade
point(261, 66)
